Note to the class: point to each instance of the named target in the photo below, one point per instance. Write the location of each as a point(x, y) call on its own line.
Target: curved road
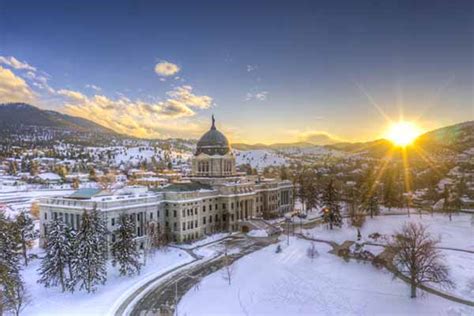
point(171, 286)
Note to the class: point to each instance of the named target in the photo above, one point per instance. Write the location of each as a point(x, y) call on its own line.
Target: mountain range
point(20, 118)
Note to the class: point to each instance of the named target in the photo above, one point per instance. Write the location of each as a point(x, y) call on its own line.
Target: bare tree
point(107, 181)
point(229, 267)
point(311, 252)
point(357, 220)
point(416, 256)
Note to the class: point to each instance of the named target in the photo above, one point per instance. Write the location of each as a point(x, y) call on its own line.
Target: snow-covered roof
point(49, 176)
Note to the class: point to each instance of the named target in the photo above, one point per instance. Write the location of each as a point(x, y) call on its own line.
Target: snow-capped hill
point(134, 156)
point(316, 151)
point(259, 158)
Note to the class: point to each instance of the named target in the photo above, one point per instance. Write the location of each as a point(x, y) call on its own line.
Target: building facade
point(214, 198)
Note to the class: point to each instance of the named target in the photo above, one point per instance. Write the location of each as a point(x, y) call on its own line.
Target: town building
point(213, 198)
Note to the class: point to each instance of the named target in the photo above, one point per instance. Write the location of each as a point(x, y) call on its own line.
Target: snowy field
point(289, 283)
point(458, 233)
point(103, 302)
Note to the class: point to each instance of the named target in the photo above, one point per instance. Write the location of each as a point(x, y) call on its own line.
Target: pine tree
point(331, 211)
point(124, 249)
point(59, 254)
point(25, 233)
point(12, 292)
point(89, 264)
point(371, 205)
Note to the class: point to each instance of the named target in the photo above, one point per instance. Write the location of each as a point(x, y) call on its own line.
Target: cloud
point(93, 87)
point(183, 94)
point(258, 96)
point(251, 68)
point(15, 63)
point(139, 118)
point(14, 88)
point(166, 69)
point(73, 96)
point(39, 81)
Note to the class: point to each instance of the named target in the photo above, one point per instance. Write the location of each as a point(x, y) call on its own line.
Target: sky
point(269, 71)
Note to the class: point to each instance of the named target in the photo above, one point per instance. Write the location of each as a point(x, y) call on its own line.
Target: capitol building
point(214, 198)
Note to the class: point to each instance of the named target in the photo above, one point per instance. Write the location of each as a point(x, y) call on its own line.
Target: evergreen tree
point(389, 193)
point(331, 211)
point(89, 264)
point(25, 233)
point(12, 292)
point(451, 202)
point(371, 205)
point(124, 249)
point(59, 254)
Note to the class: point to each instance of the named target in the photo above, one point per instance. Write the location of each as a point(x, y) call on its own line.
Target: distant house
point(151, 181)
point(48, 178)
point(82, 177)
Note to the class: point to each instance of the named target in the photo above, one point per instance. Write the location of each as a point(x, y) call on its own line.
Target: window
point(196, 223)
point(113, 221)
point(45, 215)
point(175, 226)
point(183, 213)
point(184, 226)
point(174, 214)
point(166, 213)
point(151, 216)
point(210, 219)
point(204, 221)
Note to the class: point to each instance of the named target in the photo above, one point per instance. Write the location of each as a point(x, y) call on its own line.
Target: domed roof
point(213, 142)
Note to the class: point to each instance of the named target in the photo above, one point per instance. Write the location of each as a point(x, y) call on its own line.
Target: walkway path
point(161, 293)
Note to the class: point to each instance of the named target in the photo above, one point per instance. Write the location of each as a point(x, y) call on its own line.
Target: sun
point(403, 133)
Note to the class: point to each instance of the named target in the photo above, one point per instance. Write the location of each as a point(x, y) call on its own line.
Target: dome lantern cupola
point(213, 142)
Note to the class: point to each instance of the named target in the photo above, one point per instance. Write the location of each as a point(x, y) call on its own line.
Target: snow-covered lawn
point(204, 241)
point(53, 302)
point(461, 271)
point(290, 283)
point(458, 233)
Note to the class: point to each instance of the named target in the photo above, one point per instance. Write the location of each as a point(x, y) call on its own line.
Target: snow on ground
point(461, 271)
point(53, 302)
point(458, 233)
point(13, 203)
point(258, 233)
point(259, 158)
point(135, 155)
point(204, 241)
point(290, 283)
